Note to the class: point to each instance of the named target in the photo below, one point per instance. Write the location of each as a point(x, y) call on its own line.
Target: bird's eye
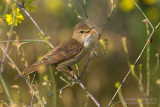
point(81, 31)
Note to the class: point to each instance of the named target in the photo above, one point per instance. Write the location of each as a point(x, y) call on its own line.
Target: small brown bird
point(68, 52)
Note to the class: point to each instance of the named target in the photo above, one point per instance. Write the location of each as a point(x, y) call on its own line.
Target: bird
point(66, 53)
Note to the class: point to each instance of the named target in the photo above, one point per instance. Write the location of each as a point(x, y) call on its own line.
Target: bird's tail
point(31, 68)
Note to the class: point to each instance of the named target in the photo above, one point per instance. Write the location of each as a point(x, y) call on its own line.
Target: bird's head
point(83, 34)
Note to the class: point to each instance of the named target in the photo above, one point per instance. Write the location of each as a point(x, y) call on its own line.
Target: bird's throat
point(88, 41)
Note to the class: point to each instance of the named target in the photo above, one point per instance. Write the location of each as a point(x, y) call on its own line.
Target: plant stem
point(4, 58)
point(54, 86)
point(30, 86)
point(6, 90)
point(84, 88)
point(148, 60)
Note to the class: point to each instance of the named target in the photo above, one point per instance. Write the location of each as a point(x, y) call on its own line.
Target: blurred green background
point(57, 20)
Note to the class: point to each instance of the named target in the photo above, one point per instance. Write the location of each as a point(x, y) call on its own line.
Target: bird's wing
point(67, 50)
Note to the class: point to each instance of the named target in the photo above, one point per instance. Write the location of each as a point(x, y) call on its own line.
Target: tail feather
point(27, 71)
point(34, 67)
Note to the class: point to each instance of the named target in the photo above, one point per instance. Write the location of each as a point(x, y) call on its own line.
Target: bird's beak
point(91, 30)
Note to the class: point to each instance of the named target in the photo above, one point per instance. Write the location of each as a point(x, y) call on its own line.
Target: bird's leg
point(71, 71)
point(61, 69)
point(73, 74)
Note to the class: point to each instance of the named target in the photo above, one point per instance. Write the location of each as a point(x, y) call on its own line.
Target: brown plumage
point(67, 53)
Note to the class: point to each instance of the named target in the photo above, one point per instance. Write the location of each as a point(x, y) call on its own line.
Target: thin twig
point(84, 9)
point(157, 64)
point(138, 81)
point(38, 97)
point(44, 37)
point(3, 16)
point(27, 13)
point(99, 35)
point(4, 58)
point(84, 88)
point(38, 27)
point(157, 25)
point(142, 51)
point(61, 90)
point(74, 10)
point(28, 41)
point(143, 14)
point(148, 61)
point(86, 101)
point(8, 43)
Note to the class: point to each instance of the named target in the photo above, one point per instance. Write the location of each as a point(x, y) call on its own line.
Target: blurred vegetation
point(104, 73)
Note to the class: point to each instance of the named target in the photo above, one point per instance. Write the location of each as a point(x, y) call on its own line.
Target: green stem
point(124, 104)
point(4, 57)
point(30, 86)
point(148, 62)
point(159, 97)
point(140, 103)
point(137, 80)
point(44, 37)
point(126, 51)
point(54, 85)
point(122, 98)
point(6, 89)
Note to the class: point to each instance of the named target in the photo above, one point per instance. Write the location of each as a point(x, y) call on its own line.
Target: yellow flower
point(18, 19)
point(132, 68)
point(54, 6)
point(140, 102)
point(117, 84)
point(102, 42)
point(9, 19)
point(127, 5)
point(153, 14)
point(149, 2)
